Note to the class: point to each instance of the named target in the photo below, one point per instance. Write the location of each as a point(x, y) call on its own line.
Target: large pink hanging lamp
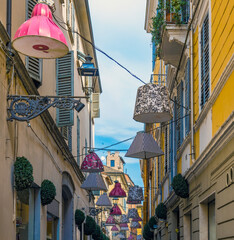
point(39, 36)
point(130, 237)
point(123, 226)
point(115, 211)
point(114, 229)
point(117, 191)
point(92, 163)
point(110, 221)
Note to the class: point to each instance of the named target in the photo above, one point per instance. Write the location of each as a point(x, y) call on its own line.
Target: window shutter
point(68, 12)
point(65, 87)
point(73, 18)
point(166, 150)
point(70, 138)
point(187, 97)
point(178, 116)
point(78, 141)
point(171, 143)
point(181, 113)
point(205, 62)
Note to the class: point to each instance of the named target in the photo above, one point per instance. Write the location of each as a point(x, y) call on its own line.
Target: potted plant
point(48, 192)
point(89, 226)
point(147, 234)
point(153, 222)
point(161, 211)
point(180, 186)
point(79, 217)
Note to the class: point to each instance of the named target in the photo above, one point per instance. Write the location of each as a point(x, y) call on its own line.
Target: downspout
point(8, 20)
point(191, 87)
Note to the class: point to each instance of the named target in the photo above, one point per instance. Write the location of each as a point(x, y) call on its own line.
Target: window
point(211, 221)
point(166, 155)
point(112, 163)
point(52, 225)
point(65, 87)
point(78, 141)
point(187, 97)
point(33, 65)
point(205, 62)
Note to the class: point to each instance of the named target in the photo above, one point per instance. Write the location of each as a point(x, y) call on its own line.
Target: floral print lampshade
point(114, 229)
point(135, 225)
point(132, 213)
point(152, 104)
point(110, 221)
point(123, 226)
point(92, 163)
point(117, 191)
point(124, 219)
point(115, 211)
point(130, 237)
point(135, 195)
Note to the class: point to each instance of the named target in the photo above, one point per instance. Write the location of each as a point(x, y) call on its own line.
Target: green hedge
point(48, 192)
point(89, 226)
point(23, 172)
point(161, 211)
point(180, 186)
point(97, 234)
point(79, 217)
point(152, 222)
point(147, 234)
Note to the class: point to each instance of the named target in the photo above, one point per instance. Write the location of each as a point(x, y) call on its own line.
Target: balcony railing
point(158, 79)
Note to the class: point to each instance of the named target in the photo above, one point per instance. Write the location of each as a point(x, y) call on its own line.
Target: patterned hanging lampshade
point(132, 213)
point(114, 229)
point(135, 195)
point(92, 163)
point(139, 219)
point(135, 225)
point(130, 237)
point(110, 221)
point(115, 211)
point(121, 236)
point(39, 36)
point(124, 219)
point(104, 201)
point(117, 191)
point(123, 226)
point(144, 146)
point(152, 104)
point(94, 182)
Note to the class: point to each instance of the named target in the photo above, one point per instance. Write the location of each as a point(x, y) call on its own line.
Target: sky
point(118, 28)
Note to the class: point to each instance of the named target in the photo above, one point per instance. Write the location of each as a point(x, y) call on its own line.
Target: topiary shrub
point(180, 186)
point(23, 172)
point(79, 217)
point(48, 192)
point(89, 226)
point(161, 211)
point(153, 222)
point(147, 234)
point(97, 233)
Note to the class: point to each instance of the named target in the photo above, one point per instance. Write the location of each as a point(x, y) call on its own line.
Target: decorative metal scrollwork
point(24, 108)
point(95, 211)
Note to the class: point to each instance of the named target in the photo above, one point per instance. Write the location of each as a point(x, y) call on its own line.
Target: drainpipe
point(8, 20)
point(191, 88)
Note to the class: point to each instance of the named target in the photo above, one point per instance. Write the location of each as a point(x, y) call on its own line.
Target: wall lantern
point(152, 104)
point(89, 74)
point(135, 195)
point(39, 36)
point(117, 191)
point(92, 163)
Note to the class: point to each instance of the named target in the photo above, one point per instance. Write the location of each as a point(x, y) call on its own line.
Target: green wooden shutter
point(70, 138)
point(65, 87)
point(78, 141)
point(187, 97)
point(181, 113)
point(166, 149)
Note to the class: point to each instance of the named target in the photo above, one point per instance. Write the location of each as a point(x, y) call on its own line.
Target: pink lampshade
point(117, 191)
point(130, 237)
point(110, 221)
point(114, 229)
point(115, 211)
point(39, 36)
point(138, 219)
point(92, 163)
point(123, 226)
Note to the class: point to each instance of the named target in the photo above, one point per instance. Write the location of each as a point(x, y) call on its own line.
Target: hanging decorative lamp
point(144, 146)
point(114, 229)
point(135, 195)
point(39, 36)
point(115, 211)
point(121, 236)
point(92, 163)
point(104, 201)
point(124, 219)
point(123, 226)
point(152, 104)
point(135, 225)
point(94, 182)
point(117, 191)
point(110, 221)
point(130, 237)
point(132, 213)
point(138, 219)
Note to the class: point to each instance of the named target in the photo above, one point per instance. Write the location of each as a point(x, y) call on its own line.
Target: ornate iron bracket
point(25, 108)
point(95, 211)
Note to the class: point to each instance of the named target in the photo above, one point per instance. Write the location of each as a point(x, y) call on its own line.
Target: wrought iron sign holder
point(95, 211)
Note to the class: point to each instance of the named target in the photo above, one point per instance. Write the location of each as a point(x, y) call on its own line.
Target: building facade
point(54, 142)
point(193, 56)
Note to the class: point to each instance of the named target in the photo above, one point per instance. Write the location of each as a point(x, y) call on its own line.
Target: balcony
point(158, 79)
point(173, 34)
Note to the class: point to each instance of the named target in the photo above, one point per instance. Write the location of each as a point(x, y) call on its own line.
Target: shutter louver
point(65, 87)
point(187, 97)
point(181, 113)
point(70, 138)
point(78, 141)
point(166, 150)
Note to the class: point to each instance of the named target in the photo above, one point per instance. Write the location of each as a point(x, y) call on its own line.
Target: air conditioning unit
point(95, 105)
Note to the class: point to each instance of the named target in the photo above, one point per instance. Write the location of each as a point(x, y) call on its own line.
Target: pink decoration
point(117, 191)
point(124, 226)
point(110, 221)
point(115, 211)
point(39, 36)
point(114, 229)
point(130, 237)
point(138, 219)
point(92, 163)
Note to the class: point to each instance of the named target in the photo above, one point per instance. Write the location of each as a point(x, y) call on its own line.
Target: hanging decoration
point(135, 225)
point(132, 213)
point(130, 237)
point(110, 221)
point(92, 163)
point(48, 192)
point(94, 182)
point(161, 211)
point(180, 186)
point(79, 217)
point(121, 236)
point(138, 219)
point(144, 147)
point(39, 36)
point(23, 173)
point(104, 201)
point(117, 191)
point(123, 226)
point(114, 229)
point(115, 210)
point(135, 195)
point(124, 219)
point(152, 104)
